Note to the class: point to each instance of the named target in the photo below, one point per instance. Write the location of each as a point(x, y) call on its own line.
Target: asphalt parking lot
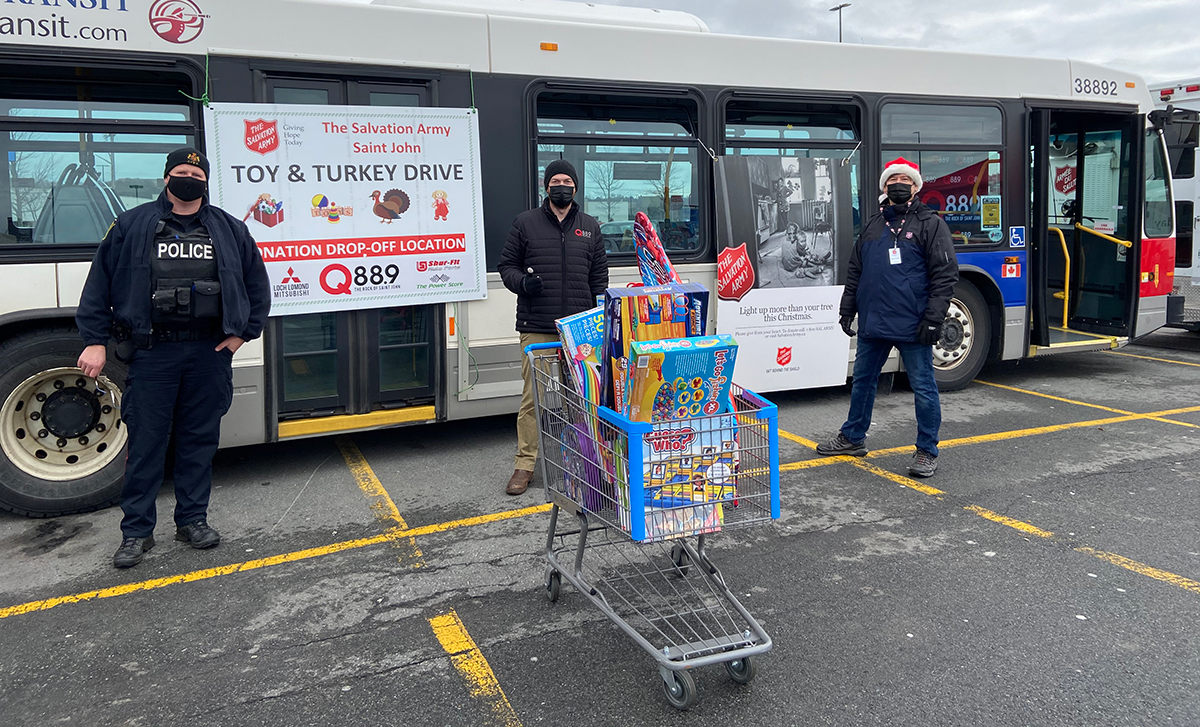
point(1048, 575)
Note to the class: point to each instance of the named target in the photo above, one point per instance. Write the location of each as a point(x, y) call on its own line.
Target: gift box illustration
point(266, 210)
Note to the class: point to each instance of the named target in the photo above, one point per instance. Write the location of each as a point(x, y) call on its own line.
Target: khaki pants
point(527, 425)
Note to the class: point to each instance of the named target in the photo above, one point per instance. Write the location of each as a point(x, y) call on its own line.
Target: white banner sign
point(788, 337)
point(354, 206)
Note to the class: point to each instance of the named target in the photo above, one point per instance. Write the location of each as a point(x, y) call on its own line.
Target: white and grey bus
point(96, 91)
point(1179, 115)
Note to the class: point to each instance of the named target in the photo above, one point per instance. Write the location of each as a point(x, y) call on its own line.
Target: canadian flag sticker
point(1011, 270)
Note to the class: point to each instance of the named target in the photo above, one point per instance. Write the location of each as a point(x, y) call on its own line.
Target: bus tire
point(966, 337)
point(62, 444)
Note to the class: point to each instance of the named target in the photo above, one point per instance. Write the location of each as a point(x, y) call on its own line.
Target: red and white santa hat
point(900, 165)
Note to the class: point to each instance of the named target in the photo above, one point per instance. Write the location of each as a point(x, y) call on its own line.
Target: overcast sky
point(1159, 39)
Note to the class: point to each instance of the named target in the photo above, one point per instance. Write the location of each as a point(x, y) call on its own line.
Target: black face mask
point(899, 193)
point(187, 189)
point(561, 195)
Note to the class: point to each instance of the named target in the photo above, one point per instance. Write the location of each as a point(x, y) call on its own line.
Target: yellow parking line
point(469, 661)
point(798, 439)
point(1087, 404)
point(200, 575)
point(1152, 358)
point(382, 504)
point(899, 479)
point(1142, 569)
point(1010, 522)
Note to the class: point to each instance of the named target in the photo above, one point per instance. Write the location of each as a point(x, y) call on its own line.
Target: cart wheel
point(681, 692)
point(553, 585)
point(742, 670)
point(680, 559)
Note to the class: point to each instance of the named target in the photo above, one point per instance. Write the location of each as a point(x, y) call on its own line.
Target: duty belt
point(186, 334)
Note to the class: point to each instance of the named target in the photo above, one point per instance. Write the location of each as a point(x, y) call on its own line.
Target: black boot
point(199, 535)
point(131, 551)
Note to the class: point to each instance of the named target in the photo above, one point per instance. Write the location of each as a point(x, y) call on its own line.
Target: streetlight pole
point(839, 12)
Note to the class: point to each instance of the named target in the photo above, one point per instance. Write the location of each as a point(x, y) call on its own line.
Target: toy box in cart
point(680, 378)
point(688, 469)
point(646, 314)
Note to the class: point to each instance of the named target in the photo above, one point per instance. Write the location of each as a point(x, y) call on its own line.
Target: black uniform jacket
point(118, 285)
point(893, 295)
point(569, 257)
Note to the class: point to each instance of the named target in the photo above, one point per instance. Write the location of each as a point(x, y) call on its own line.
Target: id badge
point(894, 256)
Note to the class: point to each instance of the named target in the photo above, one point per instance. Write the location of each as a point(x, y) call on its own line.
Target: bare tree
point(601, 178)
point(672, 179)
point(31, 175)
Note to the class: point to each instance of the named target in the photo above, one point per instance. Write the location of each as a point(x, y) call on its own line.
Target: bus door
point(355, 369)
point(1084, 239)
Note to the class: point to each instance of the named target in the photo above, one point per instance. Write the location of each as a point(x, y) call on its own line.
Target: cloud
point(1157, 39)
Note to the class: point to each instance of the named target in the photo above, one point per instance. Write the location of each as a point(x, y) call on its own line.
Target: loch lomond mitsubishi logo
point(176, 21)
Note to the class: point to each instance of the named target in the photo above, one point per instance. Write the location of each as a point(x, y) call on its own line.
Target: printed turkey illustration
point(393, 204)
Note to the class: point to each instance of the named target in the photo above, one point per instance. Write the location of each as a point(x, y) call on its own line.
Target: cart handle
point(542, 347)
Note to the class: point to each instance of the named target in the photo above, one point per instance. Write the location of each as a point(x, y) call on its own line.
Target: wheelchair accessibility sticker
point(1016, 236)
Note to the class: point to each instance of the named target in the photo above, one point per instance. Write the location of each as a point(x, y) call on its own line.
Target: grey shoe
point(924, 464)
point(839, 445)
point(131, 551)
point(198, 534)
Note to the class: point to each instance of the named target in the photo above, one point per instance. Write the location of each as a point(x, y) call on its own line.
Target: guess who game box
point(680, 378)
point(678, 310)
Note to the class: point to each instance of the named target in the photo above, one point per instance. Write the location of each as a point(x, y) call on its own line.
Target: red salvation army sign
point(735, 274)
point(262, 137)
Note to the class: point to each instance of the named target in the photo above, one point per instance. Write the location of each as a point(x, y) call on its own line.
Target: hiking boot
point(839, 445)
point(131, 551)
point(198, 534)
point(519, 482)
point(924, 464)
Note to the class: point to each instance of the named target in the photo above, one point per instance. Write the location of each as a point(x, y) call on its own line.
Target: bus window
point(633, 154)
point(73, 166)
point(1158, 220)
point(1182, 139)
point(959, 151)
point(1184, 209)
point(936, 124)
point(956, 185)
point(804, 181)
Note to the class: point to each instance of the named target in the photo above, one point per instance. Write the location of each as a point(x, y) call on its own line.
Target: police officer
point(181, 285)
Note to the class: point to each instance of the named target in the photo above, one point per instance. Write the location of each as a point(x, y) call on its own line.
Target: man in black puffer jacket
point(899, 282)
point(555, 261)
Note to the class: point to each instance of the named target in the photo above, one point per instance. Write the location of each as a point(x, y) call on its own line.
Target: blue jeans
point(872, 353)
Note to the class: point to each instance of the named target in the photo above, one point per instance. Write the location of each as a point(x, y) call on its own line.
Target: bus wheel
point(61, 433)
point(960, 354)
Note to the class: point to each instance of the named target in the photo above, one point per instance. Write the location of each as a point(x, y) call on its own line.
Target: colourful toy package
point(688, 462)
point(645, 314)
point(583, 343)
point(683, 522)
point(655, 266)
point(680, 378)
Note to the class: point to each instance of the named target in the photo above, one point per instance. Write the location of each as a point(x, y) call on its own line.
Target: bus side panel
point(1157, 279)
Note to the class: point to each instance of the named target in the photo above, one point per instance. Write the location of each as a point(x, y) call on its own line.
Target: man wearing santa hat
point(901, 276)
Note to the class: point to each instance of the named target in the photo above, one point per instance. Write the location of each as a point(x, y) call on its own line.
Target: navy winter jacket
point(892, 300)
point(570, 258)
point(118, 285)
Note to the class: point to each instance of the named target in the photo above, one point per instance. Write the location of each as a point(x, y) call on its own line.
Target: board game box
point(678, 310)
point(680, 378)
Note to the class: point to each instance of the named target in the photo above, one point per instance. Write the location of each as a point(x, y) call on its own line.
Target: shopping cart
point(646, 497)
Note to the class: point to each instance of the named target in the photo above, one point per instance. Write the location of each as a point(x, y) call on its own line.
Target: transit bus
point(1179, 115)
point(641, 101)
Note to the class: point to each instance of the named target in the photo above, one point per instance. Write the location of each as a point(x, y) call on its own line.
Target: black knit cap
point(186, 155)
point(560, 166)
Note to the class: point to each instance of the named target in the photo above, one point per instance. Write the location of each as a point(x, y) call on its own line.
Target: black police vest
point(186, 292)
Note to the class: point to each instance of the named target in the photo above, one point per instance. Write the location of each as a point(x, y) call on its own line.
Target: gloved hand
point(532, 284)
point(845, 322)
point(929, 333)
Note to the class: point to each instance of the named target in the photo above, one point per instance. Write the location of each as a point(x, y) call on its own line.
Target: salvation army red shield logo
point(262, 137)
point(735, 274)
point(1064, 179)
point(783, 355)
